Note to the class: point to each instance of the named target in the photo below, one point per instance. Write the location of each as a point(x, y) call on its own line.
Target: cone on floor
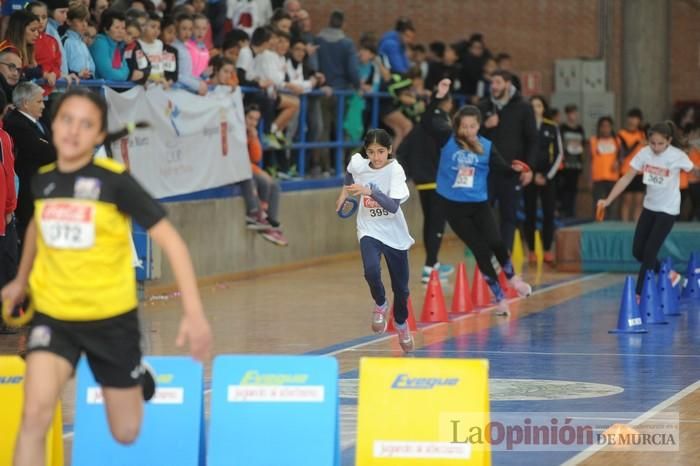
point(668, 297)
point(508, 291)
point(462, 297)
point(411, 318)
point(649, 304)
point(630, 318)
point(481, 293)
point(517, 256)
point(691, 291)
point(434, 306)
point(539, 249)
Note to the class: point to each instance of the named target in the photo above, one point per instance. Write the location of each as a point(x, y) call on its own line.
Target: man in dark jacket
point(509, 123)
point(32, 143)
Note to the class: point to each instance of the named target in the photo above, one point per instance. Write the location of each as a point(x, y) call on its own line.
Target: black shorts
point(636, 186)
point(112, 346)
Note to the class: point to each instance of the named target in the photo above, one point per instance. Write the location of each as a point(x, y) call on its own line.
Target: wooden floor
point(558, 334)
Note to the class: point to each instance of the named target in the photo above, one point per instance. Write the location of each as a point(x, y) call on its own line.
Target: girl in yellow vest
point(77, 264)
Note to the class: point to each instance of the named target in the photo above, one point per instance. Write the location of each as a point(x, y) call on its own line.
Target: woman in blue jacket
point(466, 159)
point(108, 49)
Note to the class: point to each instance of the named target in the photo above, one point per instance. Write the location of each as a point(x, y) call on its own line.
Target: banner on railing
point(194, 143)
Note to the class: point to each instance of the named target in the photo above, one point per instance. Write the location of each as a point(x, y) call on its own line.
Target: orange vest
point(631, 142)
point(604, 163)
point(695, 158)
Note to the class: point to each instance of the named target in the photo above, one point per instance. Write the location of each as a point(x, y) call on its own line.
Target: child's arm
point(15, 291)
point(387, 203)
point(194, 327)
point(344, 191)
point(619, 187)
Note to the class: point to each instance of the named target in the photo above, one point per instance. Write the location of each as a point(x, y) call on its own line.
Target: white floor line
point(543, 353)
point(593, 449)
point(481, 311)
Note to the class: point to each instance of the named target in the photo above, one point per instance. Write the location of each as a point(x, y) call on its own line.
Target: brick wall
point(534, 32)
point(685, 50)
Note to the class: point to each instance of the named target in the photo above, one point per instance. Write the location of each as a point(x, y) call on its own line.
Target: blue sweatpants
point(397, 263)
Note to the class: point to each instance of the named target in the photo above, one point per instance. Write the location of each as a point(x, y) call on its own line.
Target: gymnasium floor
point(553, 354)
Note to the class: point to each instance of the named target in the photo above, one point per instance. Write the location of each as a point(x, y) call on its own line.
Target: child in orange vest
point(605, 167)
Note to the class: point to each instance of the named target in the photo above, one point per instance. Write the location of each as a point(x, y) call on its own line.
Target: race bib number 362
point(655, 175)
point(67, 225)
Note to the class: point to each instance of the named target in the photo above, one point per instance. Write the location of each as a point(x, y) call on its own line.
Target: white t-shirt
point(661, 175)
point(372, 219)
point(154, 52)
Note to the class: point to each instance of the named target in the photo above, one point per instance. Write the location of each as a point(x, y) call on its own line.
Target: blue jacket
point(390, 46)
point(103, 50)
point(463, 175)
point(52, 30)
point(337, 59)
point(77, 54)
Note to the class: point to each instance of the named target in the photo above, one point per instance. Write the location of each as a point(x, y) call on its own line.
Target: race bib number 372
point(67, 225)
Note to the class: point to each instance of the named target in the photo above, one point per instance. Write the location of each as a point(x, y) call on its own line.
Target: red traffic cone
point(507, 290)
point(481, 293)
point(462, 298)
point(434, 306)
point(411, 318)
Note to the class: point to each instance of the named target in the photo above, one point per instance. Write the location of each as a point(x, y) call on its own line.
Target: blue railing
point(338, 145)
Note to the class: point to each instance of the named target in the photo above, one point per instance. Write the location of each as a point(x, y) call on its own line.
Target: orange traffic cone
point(411, 318)
point(462, 298)
point(434, 306)
point(481, 293)
point(507, 290)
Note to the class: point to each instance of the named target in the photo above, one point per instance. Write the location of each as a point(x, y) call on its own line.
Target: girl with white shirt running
point(380, 182)
point(660, 164)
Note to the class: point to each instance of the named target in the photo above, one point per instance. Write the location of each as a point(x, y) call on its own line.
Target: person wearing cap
point(394, 45)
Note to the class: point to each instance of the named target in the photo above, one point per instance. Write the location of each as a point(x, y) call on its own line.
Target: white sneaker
point(379, 322)
point(502, 308)
point(520, 286)
point(405, 337)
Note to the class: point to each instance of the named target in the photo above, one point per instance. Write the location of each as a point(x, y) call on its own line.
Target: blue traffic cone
point(668, 298)
point(691, 287)
point(630, 320)
point(649, 305)
point(678, 289)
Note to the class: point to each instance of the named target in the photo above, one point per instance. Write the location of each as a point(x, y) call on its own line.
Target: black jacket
point(516, 133)
point(549, 148)
point(419, 153)
point(33, 149)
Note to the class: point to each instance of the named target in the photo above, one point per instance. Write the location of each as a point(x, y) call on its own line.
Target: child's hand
point(341, 200)
point(358, 190)
point(195, 330)
point(443, 88)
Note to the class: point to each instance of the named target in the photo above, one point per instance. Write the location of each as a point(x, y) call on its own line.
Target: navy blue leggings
point(397, 263)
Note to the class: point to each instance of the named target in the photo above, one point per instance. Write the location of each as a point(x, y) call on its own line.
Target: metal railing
point(338, 144)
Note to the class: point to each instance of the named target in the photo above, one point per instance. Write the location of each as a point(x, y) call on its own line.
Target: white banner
point(194, 143)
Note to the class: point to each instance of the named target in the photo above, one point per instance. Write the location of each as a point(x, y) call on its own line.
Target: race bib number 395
point(67, 225)
point(373, 207)
point(655, 175)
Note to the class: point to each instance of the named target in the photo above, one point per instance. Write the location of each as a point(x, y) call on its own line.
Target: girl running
point(466, 160)
point(77, 263)
point(659, 165)
point(380, 182)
